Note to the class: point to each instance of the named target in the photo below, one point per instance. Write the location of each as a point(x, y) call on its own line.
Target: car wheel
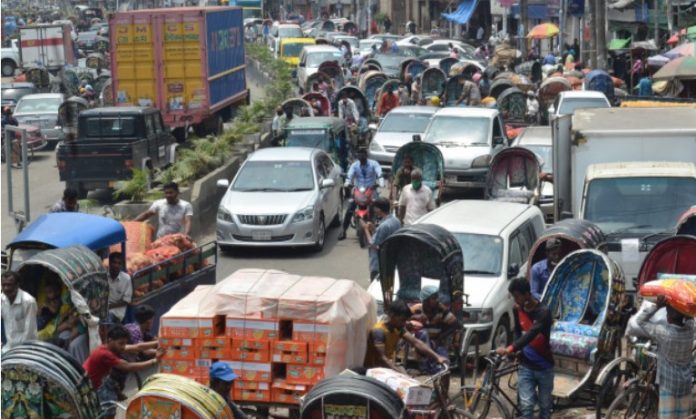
point(225, 250)
point(501, 336)
point(8, 68)
point(321, 235)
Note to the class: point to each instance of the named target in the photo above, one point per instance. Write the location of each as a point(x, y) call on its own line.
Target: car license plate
point(451, 178)
point(261, 235)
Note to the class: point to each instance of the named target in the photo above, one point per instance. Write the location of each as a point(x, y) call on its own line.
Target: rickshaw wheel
point(612, 386)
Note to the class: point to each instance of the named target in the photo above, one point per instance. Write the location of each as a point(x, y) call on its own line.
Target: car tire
point(8, 68)
point(321, 235)
point(503, 327)
point(225, 250)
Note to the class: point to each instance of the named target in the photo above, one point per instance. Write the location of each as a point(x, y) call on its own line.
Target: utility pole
point(524, 9)
point(655, 16)
point(601, 34)
point(592, 50)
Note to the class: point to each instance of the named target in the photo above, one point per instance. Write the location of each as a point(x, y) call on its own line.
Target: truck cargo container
point(188, 62)
point(46, 46)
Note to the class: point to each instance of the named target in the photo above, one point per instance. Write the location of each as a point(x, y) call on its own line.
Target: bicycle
point(442, 407)
point(480, 397)
point(639, 398)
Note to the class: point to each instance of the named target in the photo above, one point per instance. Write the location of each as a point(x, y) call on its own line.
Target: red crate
point(291, 352)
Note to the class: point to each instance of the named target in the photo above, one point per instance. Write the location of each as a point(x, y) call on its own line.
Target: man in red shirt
point(100, 363)
point(388, 101)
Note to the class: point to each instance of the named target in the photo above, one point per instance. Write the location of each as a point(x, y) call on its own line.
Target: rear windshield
point(108, 127)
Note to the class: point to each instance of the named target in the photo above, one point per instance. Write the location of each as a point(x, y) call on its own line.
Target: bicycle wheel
point(454, 412)
point(636, 402)
point(480, 404)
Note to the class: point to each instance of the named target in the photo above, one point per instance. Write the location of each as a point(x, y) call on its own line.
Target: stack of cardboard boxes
point(268, 326)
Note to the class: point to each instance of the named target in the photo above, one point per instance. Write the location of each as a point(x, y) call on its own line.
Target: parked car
point(35, 139)
point(495, 238)
point(41, 110)
point(419, 40)
point(567, 103)
point(290, 49)
point(10, 58)
point(538, 139)
point(281, 197)
point(351, 40)
point(397, 129)
point(311, 57)
point(444, 45)
point(12, 92)
point(468, 138)
point(365, 45)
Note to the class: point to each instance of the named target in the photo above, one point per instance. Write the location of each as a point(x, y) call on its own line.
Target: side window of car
point(515, 251)
point(327, 164)
point(525, 241)
point(158, 123)
point(497, 129)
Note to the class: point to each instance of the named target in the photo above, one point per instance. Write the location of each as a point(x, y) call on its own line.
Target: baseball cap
point(222, 371)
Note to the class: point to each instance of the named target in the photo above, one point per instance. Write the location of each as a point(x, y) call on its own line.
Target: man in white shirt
point(120, 288)
point(18, 311)
point(416, 199)
point(174, 214)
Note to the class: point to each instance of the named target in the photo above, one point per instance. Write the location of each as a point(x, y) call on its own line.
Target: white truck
point(10, 58)
point(631, 171)
point(46, 46)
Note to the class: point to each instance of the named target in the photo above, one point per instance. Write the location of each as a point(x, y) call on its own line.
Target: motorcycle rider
point(348, 112)
point(362, 173)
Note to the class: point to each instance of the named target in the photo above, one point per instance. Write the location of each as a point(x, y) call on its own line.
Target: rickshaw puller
point(362, 173)
point(439, 324)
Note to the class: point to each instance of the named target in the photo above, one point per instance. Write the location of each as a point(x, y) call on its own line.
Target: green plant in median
point(133, 189)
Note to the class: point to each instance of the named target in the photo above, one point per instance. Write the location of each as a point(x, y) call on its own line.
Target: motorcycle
point(363, 198)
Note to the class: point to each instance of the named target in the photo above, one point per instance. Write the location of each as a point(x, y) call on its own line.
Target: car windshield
point(35, 105)
point(455, 130)
point(412, 51)
point(14, 93)
point(97, 127)
point(316, 58)
point(569, 106)
point(352, 41)
point(275, 176)
point(292, 50)
point(312, 138)
point(483, 254)
point(290, 33)
point(643, 205)
point(544, 153)
point(405, 122)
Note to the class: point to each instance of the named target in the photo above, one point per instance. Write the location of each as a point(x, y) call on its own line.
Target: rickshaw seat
point(573, 345)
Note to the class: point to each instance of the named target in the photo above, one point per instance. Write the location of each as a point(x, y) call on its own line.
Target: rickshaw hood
point(59, 230)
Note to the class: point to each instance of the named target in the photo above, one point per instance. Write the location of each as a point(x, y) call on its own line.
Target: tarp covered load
point(317, 326)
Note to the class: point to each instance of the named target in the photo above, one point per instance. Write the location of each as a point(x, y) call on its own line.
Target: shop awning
point(534, 11)
point(463, 12)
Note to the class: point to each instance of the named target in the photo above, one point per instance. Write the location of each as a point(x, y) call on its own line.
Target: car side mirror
point(417, 138)
point(302, 65)
point(327, 183)
point(513, 270)
point(498, 140)
point(223, 183)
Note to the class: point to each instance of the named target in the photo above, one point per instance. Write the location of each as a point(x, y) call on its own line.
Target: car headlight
point(305, 214)
point(481, 161)
point(478, 315)
point(375, 146)
point(224, 215)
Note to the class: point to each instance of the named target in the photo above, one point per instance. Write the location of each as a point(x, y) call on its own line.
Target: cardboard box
point(178, 367)
point(181, 352)
point(180, 327)
point(291, 352)
point(251, 395)
point(202, 366)
point(317, 353)
point(250, 350)
point(214, 353)
point(203, 379)
point(286, 393)
point(310, 331)
point(411, 391)
point(304, 374)
point(168, 342)
point(251, 329)
point(251, 371)
point(252, 385)
point(215, 342)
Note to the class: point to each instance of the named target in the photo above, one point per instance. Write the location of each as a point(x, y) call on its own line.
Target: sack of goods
point(280, 333)
point(680, 294)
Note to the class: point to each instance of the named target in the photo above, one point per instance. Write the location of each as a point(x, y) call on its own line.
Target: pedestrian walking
point(532, 340)
point(18, 311)
point(674, 358)
point(387, 24)
point(388, 225)
point(174, 214)
point(120, 288)
point(415, 200)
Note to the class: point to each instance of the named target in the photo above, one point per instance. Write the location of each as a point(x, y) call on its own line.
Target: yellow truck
point(290, 49)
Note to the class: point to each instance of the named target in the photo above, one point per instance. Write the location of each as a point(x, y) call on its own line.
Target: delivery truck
point(631, 171)
point(187, 62)
point(46, 46)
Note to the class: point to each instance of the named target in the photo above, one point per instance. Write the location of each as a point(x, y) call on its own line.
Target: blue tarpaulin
point(463, 13)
